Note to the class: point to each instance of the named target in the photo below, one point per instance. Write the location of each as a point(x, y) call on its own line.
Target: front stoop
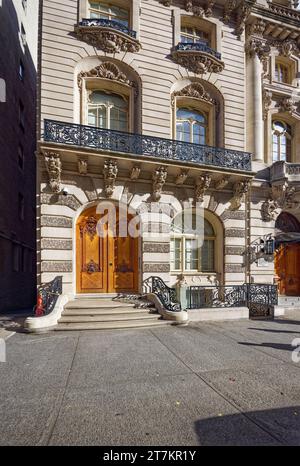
point(105, 314)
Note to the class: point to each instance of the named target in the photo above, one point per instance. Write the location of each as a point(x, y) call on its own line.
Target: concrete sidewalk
point(230, 383)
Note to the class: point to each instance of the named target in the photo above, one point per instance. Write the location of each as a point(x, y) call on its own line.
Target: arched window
point(192, 247)
point(104, 10)
point(108, 110)
point(281, 141)
point(191, 126)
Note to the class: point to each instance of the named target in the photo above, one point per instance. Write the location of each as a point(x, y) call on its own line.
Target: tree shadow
point(279, 346)
point(271, 330)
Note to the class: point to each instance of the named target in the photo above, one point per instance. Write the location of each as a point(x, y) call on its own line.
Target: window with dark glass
point(108, 110)
point(281, 141)
point(21, 71)
point(21, 206)
point(282, 73)
point(21, 157)
point(21, 114)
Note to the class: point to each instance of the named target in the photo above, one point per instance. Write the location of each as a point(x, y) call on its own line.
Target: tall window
point(193, 35)
point(281, 141)
point(191, 126)
point(104, 10)
point(107, 110)
point(188, 252)
point(282, 73)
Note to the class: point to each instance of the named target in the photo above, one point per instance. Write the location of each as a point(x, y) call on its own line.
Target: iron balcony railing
point(108, 23)
point(197, 47)
point(137, 144)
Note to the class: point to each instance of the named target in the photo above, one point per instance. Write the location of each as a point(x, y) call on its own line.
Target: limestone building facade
point(165, 105)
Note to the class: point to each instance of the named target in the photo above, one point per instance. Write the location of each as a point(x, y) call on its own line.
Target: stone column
point(258, 126)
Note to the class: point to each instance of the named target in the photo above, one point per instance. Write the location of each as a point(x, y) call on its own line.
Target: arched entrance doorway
point(105, 263)
point(287, 255)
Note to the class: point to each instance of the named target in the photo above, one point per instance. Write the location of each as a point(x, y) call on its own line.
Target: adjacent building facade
point(18, 71)
point(159, 107)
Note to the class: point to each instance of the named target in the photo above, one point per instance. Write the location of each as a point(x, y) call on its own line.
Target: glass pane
point(175, 251)
point(186, 114)
point(191, 254)
point(207, 256)
point(118, 119)
point(95, 5)
point(183, 131)
point(198, 134)
point(208, 229)
point(102, 123)
point(92, 117)
point(279, 127)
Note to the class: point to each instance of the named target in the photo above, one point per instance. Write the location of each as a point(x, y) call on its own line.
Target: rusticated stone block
point(234, 268)
point(56, 221)
point(156, 247)
point(234, 232)
point(59, 199)
point(233, 215)
point(56, 266)
point(234, 250)
point(156, 268)
point(53, 243)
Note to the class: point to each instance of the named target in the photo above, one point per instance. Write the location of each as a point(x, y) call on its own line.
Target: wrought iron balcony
point(198, 47)
point(198, 57)
point(108, 35)
point(108, 23)
point(148, 146)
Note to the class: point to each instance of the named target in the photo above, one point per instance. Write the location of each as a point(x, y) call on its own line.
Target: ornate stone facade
point(54, 168)
point(110, 172)
point(159, 178)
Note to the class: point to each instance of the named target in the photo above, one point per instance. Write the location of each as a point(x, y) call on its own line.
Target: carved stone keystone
point(54, 168)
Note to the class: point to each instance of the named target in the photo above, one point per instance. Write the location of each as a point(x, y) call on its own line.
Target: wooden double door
point(287, 268)
point(104, 263)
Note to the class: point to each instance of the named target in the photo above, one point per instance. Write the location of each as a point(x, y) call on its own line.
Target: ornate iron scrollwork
point(47, 296)
point(137, 144)
point(166, 294)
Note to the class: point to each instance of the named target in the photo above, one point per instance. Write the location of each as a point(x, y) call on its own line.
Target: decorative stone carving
point(269, 210)
point(106, 70)
point(284, 195)
point(230, 6)
point(82, 166)
point(135, 173)
point(198, 61)
point(209, 8)
point(257, 28)
point(202, 185)
point(286, 105)
point(262, 49)
point(159, 178)
point(110, 171)
point(181, 177)
point(267, 102)
point(91, 267)
point(54, 168)
point(240, 188)
point(195, 91)
point(166, 2)
point(222, 182)
point(106, 38)
point(192, 6)
point(243, 13)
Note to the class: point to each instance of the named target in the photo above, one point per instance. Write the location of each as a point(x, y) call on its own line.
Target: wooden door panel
point(287, 267)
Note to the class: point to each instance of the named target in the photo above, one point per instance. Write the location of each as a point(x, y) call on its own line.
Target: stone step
point(108, 318)
point(103, 311)
point(111, 325)
point(96, 304)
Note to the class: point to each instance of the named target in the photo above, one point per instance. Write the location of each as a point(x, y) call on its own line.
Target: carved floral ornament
point(110, 172)
point(194, 91)
point(107, 39)
point(239, 190)
point(106, 70)
point(159, 178)
point(202, 185)
point(192, 6)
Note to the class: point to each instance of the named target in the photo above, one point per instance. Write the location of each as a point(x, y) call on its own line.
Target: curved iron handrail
point(166, 294)
point(197, 47)
point(47, 296)
point(109, 23)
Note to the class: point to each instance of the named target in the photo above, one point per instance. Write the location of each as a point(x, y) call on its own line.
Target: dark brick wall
point(17, 236)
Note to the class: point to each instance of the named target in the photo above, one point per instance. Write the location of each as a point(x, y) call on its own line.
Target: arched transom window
point(104, 10)
point(192, 249)
point(281, 141)
point(191, 126)
point(108, 110)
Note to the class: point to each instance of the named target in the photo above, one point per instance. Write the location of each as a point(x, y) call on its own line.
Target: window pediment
point(106, 70)
point(195, 91)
